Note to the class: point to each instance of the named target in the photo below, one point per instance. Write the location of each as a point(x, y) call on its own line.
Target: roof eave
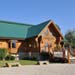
point(55, 27)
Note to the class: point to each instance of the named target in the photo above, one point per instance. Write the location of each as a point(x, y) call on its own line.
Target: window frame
point(12, 43)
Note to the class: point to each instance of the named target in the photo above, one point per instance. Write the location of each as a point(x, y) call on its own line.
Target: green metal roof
point(35, 30)
point(19, 30)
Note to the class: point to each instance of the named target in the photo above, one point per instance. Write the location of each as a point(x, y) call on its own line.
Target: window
point(9, 45)
point(12, 44)
point(45, 33)
point(46, 44)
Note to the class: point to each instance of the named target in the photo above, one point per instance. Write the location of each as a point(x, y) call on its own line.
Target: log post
point(68, 55)
point(63, 52)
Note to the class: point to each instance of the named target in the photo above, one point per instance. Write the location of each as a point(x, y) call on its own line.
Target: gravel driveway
point(52, 69)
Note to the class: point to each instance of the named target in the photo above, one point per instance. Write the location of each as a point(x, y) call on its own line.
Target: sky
point(62, 12)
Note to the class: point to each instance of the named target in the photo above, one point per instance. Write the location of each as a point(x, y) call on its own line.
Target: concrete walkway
point(52, 69)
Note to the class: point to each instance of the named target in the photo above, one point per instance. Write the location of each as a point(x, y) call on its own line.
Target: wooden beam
point(68, 55)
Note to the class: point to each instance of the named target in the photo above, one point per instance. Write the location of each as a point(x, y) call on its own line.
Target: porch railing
point(65, 53)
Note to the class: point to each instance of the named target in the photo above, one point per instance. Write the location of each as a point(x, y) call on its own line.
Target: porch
point(60, 56)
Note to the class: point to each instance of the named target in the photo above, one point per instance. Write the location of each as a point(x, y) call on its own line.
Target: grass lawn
point(22, 62)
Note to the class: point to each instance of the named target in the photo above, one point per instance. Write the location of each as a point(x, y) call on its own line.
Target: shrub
point(9, 57)
point(3, 53)
point(29, 58)
point(25, 58)
point(44, 55)
point(33, 58)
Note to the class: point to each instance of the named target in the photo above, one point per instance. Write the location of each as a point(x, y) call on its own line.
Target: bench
point(14, 64)
point(43, 62)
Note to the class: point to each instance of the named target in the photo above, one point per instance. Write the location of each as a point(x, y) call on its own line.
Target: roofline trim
point(12, 38)
point(15, 38)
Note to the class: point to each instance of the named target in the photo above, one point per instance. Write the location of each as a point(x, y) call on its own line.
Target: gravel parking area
point(51, 69)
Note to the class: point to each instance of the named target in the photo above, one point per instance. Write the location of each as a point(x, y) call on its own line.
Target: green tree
point(70, 36)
